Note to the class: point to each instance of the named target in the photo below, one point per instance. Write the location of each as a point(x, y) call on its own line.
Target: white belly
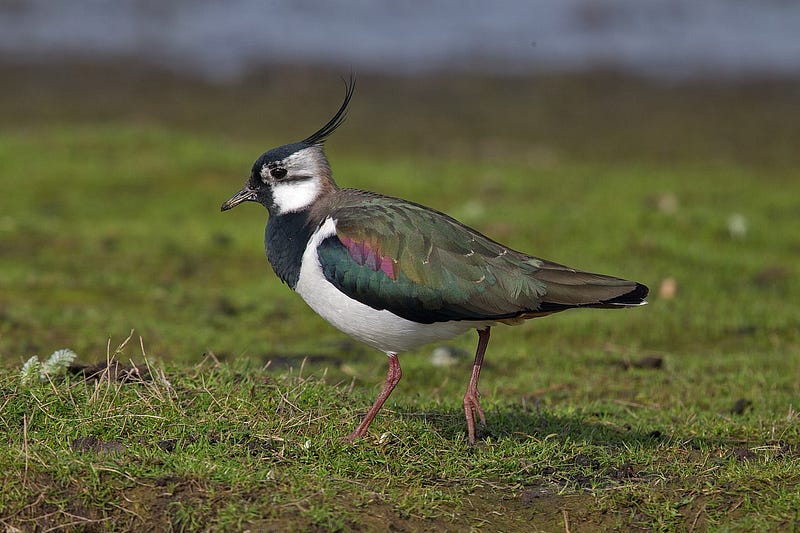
point(382, 330)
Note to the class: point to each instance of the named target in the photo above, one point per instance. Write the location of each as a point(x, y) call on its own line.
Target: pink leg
point(392, 379)
point(472, 405)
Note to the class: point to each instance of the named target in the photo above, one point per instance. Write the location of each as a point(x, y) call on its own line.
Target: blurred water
point(224, 39)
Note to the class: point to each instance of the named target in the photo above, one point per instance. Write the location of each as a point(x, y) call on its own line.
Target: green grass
point(111, 223)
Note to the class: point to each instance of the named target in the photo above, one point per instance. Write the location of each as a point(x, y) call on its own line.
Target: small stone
point(446, 356)
point(740, 406)
point(667, 203)
point(668, 288)
point(94, 445)
point(737, 226)
point(167, 445)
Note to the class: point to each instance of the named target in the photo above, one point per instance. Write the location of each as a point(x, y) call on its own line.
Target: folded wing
point(424, 266)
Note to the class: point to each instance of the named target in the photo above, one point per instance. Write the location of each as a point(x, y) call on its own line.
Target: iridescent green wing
point(424, 266)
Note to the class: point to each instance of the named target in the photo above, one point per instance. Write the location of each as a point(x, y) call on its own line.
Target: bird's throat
point(285, 240)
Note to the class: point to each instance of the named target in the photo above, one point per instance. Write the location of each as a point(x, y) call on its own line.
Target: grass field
point(682, 415)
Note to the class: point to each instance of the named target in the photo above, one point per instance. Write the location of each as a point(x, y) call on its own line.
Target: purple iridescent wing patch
point(369, 256)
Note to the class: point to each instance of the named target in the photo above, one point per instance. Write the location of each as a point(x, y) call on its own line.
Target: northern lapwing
point(395, 274)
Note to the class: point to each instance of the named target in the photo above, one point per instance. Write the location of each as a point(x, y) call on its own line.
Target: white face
point(295, 195)
point(300, 185)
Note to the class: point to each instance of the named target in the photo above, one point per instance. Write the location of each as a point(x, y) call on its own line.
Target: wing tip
point(633, 298)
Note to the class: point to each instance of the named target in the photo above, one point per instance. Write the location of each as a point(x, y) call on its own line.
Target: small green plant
point(56, 364)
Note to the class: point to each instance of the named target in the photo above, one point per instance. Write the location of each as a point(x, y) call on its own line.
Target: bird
point(396, 275)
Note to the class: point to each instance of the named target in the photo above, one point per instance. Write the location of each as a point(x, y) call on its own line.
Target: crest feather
point(321, 134)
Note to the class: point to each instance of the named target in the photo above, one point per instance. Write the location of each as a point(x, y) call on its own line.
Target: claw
point(472, 407)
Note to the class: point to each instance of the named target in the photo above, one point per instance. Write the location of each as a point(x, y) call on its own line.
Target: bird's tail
point(567, 288)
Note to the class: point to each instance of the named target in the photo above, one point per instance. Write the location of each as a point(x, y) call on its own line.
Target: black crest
point(320, 135)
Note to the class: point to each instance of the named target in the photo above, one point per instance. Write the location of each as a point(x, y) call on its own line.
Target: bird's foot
point(472, 407)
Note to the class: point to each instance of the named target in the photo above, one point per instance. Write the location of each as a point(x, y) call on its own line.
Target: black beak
point(245, 195)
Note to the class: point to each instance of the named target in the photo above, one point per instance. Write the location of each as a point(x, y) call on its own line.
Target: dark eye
point(278, 173)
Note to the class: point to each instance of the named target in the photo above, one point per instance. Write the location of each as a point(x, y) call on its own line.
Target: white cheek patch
point(295, 195)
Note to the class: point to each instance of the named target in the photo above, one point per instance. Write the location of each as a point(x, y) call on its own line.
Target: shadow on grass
point(519, 423)
point(604, 425)
point(580, 451)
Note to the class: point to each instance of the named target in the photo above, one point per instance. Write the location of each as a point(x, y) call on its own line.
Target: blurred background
point(225, 41)
point(653, 140)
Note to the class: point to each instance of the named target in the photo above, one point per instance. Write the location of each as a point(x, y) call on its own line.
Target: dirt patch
point(486, 508)
point(113, 370)
point(188, 504)
point(585, 472)
point(649, 362)
point(532, 508)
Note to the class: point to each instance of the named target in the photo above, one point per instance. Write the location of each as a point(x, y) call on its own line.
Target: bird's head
point(291, 177)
